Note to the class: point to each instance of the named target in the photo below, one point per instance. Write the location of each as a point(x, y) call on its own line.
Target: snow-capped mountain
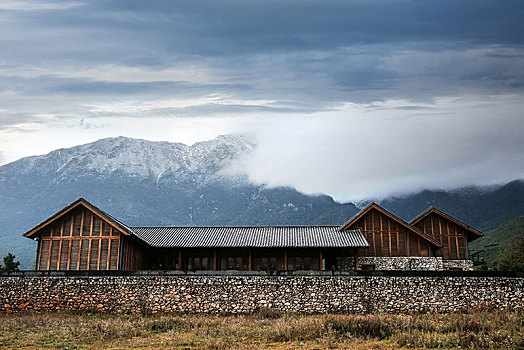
point(140, 159)
point(162, 183)
point(150, 183)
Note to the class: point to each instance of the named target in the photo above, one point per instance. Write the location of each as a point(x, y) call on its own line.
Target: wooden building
point(453, 233)
point(83, 237)
point(390, 236)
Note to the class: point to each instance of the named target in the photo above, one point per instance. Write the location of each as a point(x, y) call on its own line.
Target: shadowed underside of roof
point(251, 237)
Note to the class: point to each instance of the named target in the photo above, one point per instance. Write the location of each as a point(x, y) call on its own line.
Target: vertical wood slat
point(118, 251)
point(80, 240)
point(108, 252)
point(99, 253)
point(457, 242)
point(381, 235)
point(215, 260)
point(49, 254)
point(356, 262)
point(389, 236)
point(60, 245)
point(250, 260)
point(321, 258)
point(449, 242)
point(440, 230)
point(373, 233)
point(285, 259)
point(90, 243)
point(70, 244)
point(418, 247)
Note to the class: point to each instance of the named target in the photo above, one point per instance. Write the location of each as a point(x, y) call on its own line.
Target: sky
point(355, 99)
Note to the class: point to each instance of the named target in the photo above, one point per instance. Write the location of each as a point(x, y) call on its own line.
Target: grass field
point(474, 330)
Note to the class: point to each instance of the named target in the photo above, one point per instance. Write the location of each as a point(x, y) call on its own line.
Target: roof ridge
point(251, 226)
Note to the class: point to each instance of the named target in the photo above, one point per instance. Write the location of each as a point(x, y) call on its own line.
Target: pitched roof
point(434, 210)
point(81, 201)
point(272, 236)
point(374, 205)
point(257, 236)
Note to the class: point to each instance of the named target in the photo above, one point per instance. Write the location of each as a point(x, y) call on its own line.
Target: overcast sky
point(351, 98)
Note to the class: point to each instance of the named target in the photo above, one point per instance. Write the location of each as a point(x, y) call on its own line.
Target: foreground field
point(478, 329)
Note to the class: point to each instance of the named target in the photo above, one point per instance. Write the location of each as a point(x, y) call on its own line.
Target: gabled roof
point(209, 237)
point(81, 202)
point(433, 210)
point(377, 207)
point(257, 236)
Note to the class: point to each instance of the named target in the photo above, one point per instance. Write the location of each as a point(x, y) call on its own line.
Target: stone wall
point(415, 264)
point(245, 294)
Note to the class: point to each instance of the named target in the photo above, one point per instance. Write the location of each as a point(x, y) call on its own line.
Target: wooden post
point(439, 230)
point(381, 235)
point(89, 253)
point(285, 259)
point(449, 241)
point(38, 252)
point(50, 245)
point(214, 259)
point(60, 245)
point(250, 260)
point(373, 233)
point(110, 241)
point(407, 243)
point(457, 242)
point(356, 266)
point(99, 252)
point(78, 256)
point(321, 260)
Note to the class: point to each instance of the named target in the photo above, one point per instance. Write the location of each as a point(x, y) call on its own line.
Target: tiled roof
point(263, 237)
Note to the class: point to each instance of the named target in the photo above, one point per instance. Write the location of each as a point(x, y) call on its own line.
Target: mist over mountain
point(161, 183)
point(150, 183)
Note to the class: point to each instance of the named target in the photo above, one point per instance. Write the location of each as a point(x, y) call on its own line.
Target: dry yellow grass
point(265, 330)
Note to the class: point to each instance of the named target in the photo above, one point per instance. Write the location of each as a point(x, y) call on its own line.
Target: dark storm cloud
point(324, 52)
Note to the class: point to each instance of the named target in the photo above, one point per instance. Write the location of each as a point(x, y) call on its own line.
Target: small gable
point(80, 218)
point(388, 235)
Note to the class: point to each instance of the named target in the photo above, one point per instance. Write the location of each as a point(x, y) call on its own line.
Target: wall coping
point(173, 273)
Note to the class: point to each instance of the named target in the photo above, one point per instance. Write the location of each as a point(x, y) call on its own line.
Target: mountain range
point(161, 183)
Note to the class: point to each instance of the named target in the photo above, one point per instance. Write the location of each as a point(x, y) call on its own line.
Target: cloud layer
point(382, 79)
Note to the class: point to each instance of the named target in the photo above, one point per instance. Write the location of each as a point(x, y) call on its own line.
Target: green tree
point(513, 258)
point(9, 263)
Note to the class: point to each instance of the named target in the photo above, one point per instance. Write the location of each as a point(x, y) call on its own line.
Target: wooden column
point(60, 246)
point(214, 259)
point(110, 241)
point(356, 264)
point(70, 243)
point(49, 253)
point(321, 259)
point(250, 260)
point(373, 233)
point(285, 259)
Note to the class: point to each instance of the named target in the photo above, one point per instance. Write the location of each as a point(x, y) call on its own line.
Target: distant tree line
point(513, 258)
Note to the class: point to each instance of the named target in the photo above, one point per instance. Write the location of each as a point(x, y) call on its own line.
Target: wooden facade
point(453, 234)
point(389, 236)
point(83, 237)
point(79, 240)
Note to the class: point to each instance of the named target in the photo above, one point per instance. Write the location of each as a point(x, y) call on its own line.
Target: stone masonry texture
point(245, 294)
